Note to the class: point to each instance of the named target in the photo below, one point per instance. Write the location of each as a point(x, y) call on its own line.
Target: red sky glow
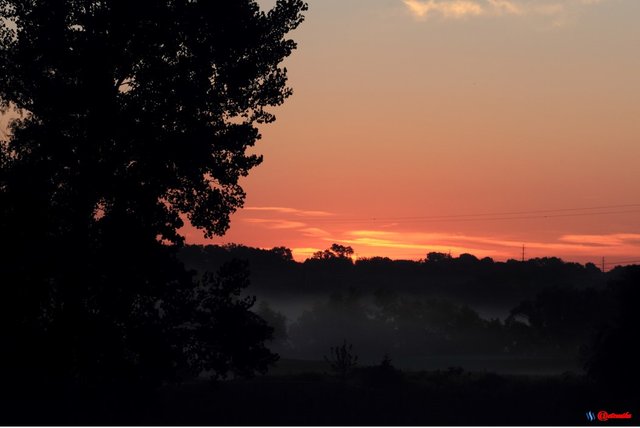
point(476, 126)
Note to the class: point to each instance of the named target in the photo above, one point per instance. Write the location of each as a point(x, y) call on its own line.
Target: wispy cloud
point(448, 9)
point(307, 231)
point(423, 9)
point(294, 211)
point(276, 223)
point(577, 245)
point(404, 245)
point(293, 220)
point(315, 232)
point(500, 7)
point(611, 240)
point(421, 242)
point(301, 253)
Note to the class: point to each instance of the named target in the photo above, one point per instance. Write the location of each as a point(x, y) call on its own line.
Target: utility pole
point(603, 264)
point(522, 253)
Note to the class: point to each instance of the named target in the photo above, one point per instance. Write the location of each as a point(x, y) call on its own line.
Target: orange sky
point(409, 113)
point(454, 125)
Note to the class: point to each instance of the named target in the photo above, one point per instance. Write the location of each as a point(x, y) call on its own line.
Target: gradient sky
point(413, 119)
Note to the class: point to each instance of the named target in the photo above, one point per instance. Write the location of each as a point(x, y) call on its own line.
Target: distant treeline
point(464, 278)
point(436, 307)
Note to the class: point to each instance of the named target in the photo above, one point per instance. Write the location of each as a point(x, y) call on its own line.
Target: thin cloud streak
point(448, 9)
point(302, 253)
point(298, 230)
point(288, 210)
point(423, 9)
point(579, 245)
point(315, 232)
point(393, 244)
point(276, 223)
point(505, 6)
point(611, 240)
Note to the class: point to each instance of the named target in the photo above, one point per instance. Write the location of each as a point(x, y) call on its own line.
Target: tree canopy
point(151, 103)
point(131, 117)
point(336, 251)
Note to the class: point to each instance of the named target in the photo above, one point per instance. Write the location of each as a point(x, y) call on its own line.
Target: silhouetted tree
point(133, 115)
point(342, 251)
point(344, 314)
point(223, 334)
point(435, 257)
point(468, 259)
point(385, 364)
point(613, 356)
point(336, 251)
point(381, 376)
point(283, 252)
point(277, 321)
point(342, 360)
point(561, 318)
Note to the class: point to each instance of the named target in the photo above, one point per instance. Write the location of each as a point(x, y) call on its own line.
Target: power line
point(525, 217)
point(496, 216)
point(602, 207)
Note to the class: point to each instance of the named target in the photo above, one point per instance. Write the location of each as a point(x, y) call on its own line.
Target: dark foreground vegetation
point(370, 396)
point(382, 355)
point(381, 358)
point(124, 119)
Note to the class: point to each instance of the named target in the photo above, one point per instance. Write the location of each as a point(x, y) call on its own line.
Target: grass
point(369, 397)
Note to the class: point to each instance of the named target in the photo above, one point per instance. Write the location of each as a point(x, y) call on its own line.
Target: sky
point(461, 126)
point(473, 126)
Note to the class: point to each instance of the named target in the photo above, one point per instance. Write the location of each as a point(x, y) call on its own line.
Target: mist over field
point(531, 317)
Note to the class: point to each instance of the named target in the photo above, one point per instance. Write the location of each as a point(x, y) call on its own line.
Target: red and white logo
point(605, 416)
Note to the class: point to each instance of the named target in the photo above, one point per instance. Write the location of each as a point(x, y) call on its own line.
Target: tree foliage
point(336, 251)
point(342, 360)
point(612, 357)
point(148, 105)
point(132, 117)
point(277, 321)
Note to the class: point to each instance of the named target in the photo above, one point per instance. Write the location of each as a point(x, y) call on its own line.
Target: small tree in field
point(342, 360)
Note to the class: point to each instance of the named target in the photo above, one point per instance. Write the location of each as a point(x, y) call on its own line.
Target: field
point(370, 396)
